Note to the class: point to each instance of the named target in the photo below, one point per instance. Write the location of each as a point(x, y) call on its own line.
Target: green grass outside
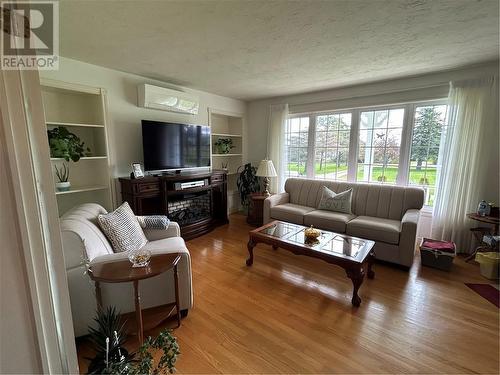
point(327, 168)
point(390, 173)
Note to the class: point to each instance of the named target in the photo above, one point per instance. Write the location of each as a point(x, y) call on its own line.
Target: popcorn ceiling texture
point(256, 49)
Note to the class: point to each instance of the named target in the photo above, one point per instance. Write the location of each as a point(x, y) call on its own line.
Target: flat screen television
point(169, 146)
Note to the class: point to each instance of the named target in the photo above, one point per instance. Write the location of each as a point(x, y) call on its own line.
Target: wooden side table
point(122, 272)
point(256, 210)
point(493, 221)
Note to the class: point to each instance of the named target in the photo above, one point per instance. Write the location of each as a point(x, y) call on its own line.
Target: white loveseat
point(386, 214)
point(82, 239)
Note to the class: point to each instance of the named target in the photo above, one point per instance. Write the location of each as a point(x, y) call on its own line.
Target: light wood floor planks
point(291, 314)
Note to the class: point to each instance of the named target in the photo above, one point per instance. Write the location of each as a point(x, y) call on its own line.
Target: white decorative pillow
point(122, 229)
point(332, 201)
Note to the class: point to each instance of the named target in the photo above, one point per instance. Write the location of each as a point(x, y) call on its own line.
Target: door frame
point(30, 171)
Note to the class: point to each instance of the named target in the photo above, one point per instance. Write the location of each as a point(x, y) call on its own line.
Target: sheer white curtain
point(278, 116)
point(469, 160)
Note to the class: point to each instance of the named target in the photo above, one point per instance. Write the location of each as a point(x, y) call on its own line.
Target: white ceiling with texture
point(255, 49)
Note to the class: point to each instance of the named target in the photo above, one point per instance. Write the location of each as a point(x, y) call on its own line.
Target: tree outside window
point(428, 130)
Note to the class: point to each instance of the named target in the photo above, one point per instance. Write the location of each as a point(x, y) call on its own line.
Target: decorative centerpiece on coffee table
point(311, 235)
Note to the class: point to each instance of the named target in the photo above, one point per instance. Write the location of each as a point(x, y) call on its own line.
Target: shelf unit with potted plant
point(228, 149)
point(78, 138)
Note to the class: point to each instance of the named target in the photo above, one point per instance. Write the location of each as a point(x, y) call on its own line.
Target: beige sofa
point(384, 213)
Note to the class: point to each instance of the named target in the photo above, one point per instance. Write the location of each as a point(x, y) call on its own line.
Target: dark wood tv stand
point(198, 210)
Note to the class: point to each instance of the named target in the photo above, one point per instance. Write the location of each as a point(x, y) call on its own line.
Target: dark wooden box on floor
point(152, 195)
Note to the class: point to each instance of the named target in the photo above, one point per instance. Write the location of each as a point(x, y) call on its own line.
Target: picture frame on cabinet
point(137, 170)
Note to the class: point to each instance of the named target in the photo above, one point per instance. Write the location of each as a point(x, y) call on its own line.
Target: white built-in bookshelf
point(81, 110)
point(230, 126)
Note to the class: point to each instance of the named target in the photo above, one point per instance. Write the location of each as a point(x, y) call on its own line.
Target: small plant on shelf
point(247, 183)
point(112, 358)
point(62, 175)
point(223, 145)
point(66, 145)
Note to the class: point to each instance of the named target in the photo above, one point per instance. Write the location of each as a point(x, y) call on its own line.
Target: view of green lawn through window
point(379, 146)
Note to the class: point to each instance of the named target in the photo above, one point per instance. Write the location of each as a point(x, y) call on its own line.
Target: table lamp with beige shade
point(266, 170)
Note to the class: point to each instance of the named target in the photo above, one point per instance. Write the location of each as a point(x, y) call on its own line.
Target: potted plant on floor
point(112, 358)
point(247, 183)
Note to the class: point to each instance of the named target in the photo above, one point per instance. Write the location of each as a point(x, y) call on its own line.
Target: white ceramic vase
point(63, 186)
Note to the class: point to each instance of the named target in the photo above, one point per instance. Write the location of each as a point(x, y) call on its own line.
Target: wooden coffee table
point(122, 271)
point(353, 254)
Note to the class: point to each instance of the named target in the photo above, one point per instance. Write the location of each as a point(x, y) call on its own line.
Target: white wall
point(429, 86)
point(124, 115)
point(18, 341)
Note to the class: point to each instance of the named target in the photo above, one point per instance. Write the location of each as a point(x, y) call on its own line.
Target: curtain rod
point(392, 91)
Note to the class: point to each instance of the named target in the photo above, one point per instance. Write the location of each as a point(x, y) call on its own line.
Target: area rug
point(487, 291)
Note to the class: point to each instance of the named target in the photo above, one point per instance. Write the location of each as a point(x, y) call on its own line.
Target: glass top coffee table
point(353, 254)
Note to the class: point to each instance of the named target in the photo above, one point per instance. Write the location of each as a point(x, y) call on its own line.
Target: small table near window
point(122, 272)
point(493, 221)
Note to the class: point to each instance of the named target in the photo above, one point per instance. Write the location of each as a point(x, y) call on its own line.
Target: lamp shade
point(266, 169)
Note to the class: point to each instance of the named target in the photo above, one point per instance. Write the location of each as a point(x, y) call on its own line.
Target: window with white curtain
point(429, 129)
point(397, 144)
point(296, 146)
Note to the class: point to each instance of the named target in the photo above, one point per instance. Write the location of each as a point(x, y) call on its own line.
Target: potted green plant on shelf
point(247, 183)
point(62, 175)
point(112, 358)
point(66, 145)
point(223, 145)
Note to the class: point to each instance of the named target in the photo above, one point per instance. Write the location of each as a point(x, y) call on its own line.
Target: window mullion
point(404, 152)
point(352, 165)
point(311, 141)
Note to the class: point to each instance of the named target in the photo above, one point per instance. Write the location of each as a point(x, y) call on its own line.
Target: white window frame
point(401, 149)
point(406, 137)
point(412, 125)
point(311, 140)
point(312, 117)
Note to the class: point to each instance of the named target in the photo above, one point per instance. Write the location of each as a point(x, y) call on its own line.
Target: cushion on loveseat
point(290, 212)
point(329, 220)
point(375, 228)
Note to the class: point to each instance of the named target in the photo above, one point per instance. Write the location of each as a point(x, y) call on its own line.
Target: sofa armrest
point(274, 200)
point(173, 230)
point(408, 236)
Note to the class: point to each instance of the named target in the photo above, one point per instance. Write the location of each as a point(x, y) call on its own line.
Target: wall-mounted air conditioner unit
point(155, 97)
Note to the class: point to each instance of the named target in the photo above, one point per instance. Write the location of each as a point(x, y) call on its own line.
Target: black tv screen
point(175, 146)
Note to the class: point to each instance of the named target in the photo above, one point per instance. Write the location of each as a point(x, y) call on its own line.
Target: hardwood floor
point(292, 314)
